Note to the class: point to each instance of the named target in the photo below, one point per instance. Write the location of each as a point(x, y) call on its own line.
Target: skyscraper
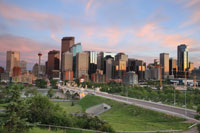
point(12, 60)
point(82, 60)
point(164, 63)
point(172, 66)
point(53, 63)
point(109, 67)
point(67, 65)
point(182, 58)
point(100, 59)
point(120, 64)
point(92, 62)
point(23, 66)
point(66, 44)
point(76, 48)
point(138, 66)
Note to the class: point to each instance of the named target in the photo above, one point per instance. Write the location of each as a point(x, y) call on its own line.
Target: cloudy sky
point(140, 28)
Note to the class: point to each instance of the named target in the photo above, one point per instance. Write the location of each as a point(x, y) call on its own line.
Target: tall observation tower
point(39, 55)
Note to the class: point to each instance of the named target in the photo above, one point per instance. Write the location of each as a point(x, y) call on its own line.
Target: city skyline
point(114, 26)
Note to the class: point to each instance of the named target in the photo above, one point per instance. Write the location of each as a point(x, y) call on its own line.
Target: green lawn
point(71, 109)
point(123, 117)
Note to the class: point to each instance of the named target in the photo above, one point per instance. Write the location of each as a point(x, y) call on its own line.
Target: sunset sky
point(141, 28)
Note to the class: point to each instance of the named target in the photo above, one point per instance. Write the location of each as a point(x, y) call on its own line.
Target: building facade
point(67, 66)
point(109, 68)
point(138, 66)
point(120, 64)
point(53, 64)
point(182, 58)
point(130, 78)
point(76, 48)
point(173, 67)
point(23, 66)
point(12, 60)
point(66, 44)
point(82, 60)
point(164, 64)
point(92, 62)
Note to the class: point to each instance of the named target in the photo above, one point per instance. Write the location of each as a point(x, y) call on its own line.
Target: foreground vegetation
point(123, 117)
point(166, 95)
point(21, 114)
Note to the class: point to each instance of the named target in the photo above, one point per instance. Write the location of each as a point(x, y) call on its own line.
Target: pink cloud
point(27, 47)
point(194, 6)
point(88, 5)
point(152, 32)
point(39, 19)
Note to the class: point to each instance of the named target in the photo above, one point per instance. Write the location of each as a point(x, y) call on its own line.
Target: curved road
point(176, 111)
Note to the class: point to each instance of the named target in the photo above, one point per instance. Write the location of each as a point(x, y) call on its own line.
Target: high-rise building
point(152, 72)
point(67, 61)
point(23, 66)
point(173, 67)
point(92, 62)
point(67, 43)
point(191, 66)
point(12, 60)
point(82, 60)
point(109, 68)
point(76, 48)
point(138, 66)
point(53, 64)
point(156, 62)
point(100, 59)
point(120, 64)
point(67, 65)
point(1, 70)
point(164, 63)
point(35, 70)
point(182, 58)
point(16, 71)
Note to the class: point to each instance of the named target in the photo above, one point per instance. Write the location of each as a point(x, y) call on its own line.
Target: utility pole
point(160, 76)
point(185, 92)
point(127, 93)
point(175, 84)
point(195, 79)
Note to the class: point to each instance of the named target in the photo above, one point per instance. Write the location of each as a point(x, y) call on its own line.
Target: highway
point(172, 110)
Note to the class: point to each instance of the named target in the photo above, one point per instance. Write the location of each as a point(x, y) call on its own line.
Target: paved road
point(181, 112)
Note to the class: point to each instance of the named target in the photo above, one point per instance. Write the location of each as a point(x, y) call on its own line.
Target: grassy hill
point(124, 117)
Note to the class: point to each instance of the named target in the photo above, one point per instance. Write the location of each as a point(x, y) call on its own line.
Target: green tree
point(41, 83)
point(54, 84)
point(43, 111)
point(30, 91)
point(50, 93)
point(16, 109)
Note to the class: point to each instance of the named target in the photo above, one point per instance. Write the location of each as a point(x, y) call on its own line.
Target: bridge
point(79, 93)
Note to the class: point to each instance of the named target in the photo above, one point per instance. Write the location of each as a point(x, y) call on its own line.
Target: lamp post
point(175, 84)
point(185, 93)
point(127, 92)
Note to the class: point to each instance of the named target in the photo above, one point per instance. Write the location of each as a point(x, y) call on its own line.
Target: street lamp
point(175, 84)
point(127, 93)
point(185, 93)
